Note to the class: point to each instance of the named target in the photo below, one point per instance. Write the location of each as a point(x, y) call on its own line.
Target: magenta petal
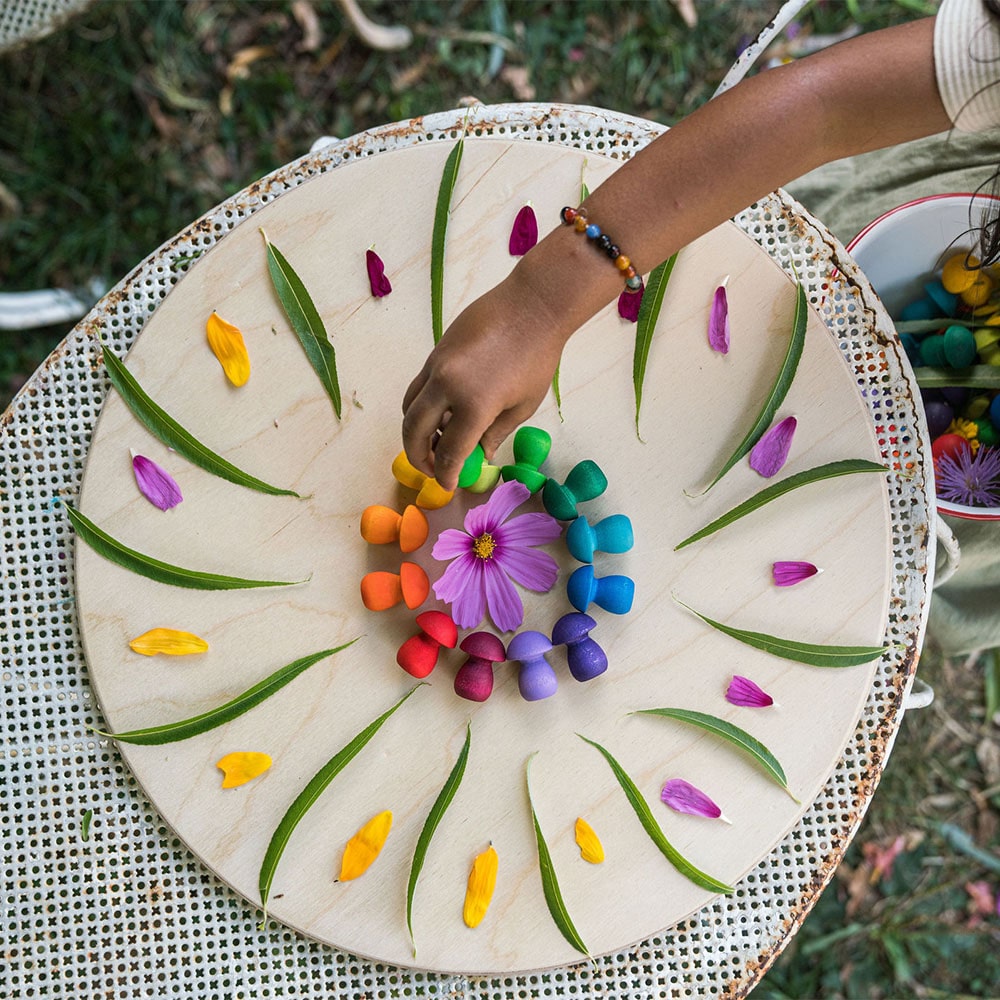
point(533, 528)
point(530, 568)
point(503, 501)
point(768, 455)
point(462, 586)
point(683, 797)
point(524, 235)
point(718, 322)
point(743, 692)
point(629, 303)
point(503, 600)
point(450, 544)
point(376, 275)
point(155, 483)
point(788, 573)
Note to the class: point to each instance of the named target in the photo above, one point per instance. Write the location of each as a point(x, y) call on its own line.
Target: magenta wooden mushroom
point(586, 658)
point(474, 679)
point(536, 678)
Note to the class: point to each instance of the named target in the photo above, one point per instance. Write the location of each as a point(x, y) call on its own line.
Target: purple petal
point(450, 544)
point(683, 797)
point(743, 692)
point(534, 528)
point(530, 568)
point(155, 483)
point(462, 586)
point(629, 303)
point(504, 500)
point(768, 455)
point(524, 235)
point(503, 600)
point(376, 275)
point(718, 322)
point(788, 573)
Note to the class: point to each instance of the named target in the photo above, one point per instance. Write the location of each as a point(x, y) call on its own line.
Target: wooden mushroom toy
point(419, 654)
point(474, 679)
point(531, 448)
point(536, 678)
point(613, 593)
point(612, 534)
point(586, 658)
point(585, 482)
point(477, 475)
point(430, 495)
point(382, 525)
point(381, 590)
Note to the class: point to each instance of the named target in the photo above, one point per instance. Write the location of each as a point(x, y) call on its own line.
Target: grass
point(118, 131)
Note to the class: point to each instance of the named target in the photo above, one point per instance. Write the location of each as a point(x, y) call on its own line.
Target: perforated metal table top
point(126, 912)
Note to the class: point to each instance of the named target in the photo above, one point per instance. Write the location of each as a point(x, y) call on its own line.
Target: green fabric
point(848, 194)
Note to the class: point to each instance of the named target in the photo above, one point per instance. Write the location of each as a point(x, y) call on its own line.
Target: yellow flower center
point(483, 546)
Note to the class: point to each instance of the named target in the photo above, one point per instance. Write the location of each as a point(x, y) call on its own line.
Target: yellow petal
point(363, 848)
point(482, 882)
point(242, 766)
point(591, 848)
point(168, 641)
point(227, 345)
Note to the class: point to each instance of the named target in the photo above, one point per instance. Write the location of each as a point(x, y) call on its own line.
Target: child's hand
point(485, 377)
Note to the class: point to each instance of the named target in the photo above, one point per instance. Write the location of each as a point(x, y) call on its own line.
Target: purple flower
point(490, 550)
point(376, 275)
point(629, 303)
point(155, 483)
point(718, 321)
point(524, 234)
point(970, 480)
point(742, 691)
point(786, 574)
point(768, 455)
point(683, 797)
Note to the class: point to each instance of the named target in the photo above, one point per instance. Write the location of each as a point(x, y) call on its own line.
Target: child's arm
point(495, 363)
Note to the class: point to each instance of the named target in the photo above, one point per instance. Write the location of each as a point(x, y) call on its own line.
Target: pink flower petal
point(530, 568)
point(450, 544)
point(504, 500)
point(524, 234)
point(683, 797)
point(629, 303)
point(786, 574)
point(155, 483)
point(533, 528)
point(768, 455)
point(503, 600)
point(376, 275)
point(718, 322)
point(462, 586)
point(742, 691)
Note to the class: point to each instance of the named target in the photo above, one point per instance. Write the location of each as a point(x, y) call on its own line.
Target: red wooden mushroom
point(418, 655)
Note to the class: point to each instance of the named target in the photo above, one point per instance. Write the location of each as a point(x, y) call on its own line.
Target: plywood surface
point(281, 427)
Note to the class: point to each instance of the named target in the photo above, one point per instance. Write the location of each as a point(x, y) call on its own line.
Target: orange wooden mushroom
point(382, 525)
point(381, 590)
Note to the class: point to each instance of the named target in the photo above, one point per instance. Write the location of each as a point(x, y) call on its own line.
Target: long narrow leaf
point(649, 313)
point(441, 212)
point(780, 388)
point(308, 796)
point(974, 377)
point(802, 652)
point(652, 828)
point(171, 732)
point(831, 470)
point(550, 884)
point(305, 319)
point(176, 576)
point(557, 393)
point(739, 738)
point(164, 427)
point(434, 817)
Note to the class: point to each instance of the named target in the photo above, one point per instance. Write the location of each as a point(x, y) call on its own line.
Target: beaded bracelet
point(577, 218)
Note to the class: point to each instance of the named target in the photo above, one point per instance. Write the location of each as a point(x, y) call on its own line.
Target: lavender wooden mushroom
point(586, 658)
point(536, 678)
point(474, 680)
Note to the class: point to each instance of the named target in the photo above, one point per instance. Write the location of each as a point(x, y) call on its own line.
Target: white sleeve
point(967, 64)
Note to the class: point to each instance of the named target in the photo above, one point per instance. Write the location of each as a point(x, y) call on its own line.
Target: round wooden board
point(280, 426)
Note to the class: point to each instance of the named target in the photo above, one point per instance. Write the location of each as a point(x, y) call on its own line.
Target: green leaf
point(739, 738)
point(557, 393)
point(305, 320)
point(584, 190)
point(649, 312)
point(308, 796)
point(802, 652)
point(780, 388)
point(831, 470)
point(919, 326)
point(962, 842)
point(173, 435)
point(176, 576)
point(975, 377)
point(550, 884)
point(652, 828)
point(434, 817)
point(441, 212)
point(88, 818)
point(172, 732)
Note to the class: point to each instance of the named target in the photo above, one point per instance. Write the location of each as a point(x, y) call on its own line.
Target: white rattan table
point(128, 911)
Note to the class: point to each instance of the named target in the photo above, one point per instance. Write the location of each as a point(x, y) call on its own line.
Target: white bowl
point(906, 247)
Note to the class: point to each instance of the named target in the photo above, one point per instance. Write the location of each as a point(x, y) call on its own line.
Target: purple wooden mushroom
point(536, 679)
point(474, 679)
point(586, 658)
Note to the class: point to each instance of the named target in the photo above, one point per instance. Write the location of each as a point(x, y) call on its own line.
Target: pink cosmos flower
point(491, 552)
